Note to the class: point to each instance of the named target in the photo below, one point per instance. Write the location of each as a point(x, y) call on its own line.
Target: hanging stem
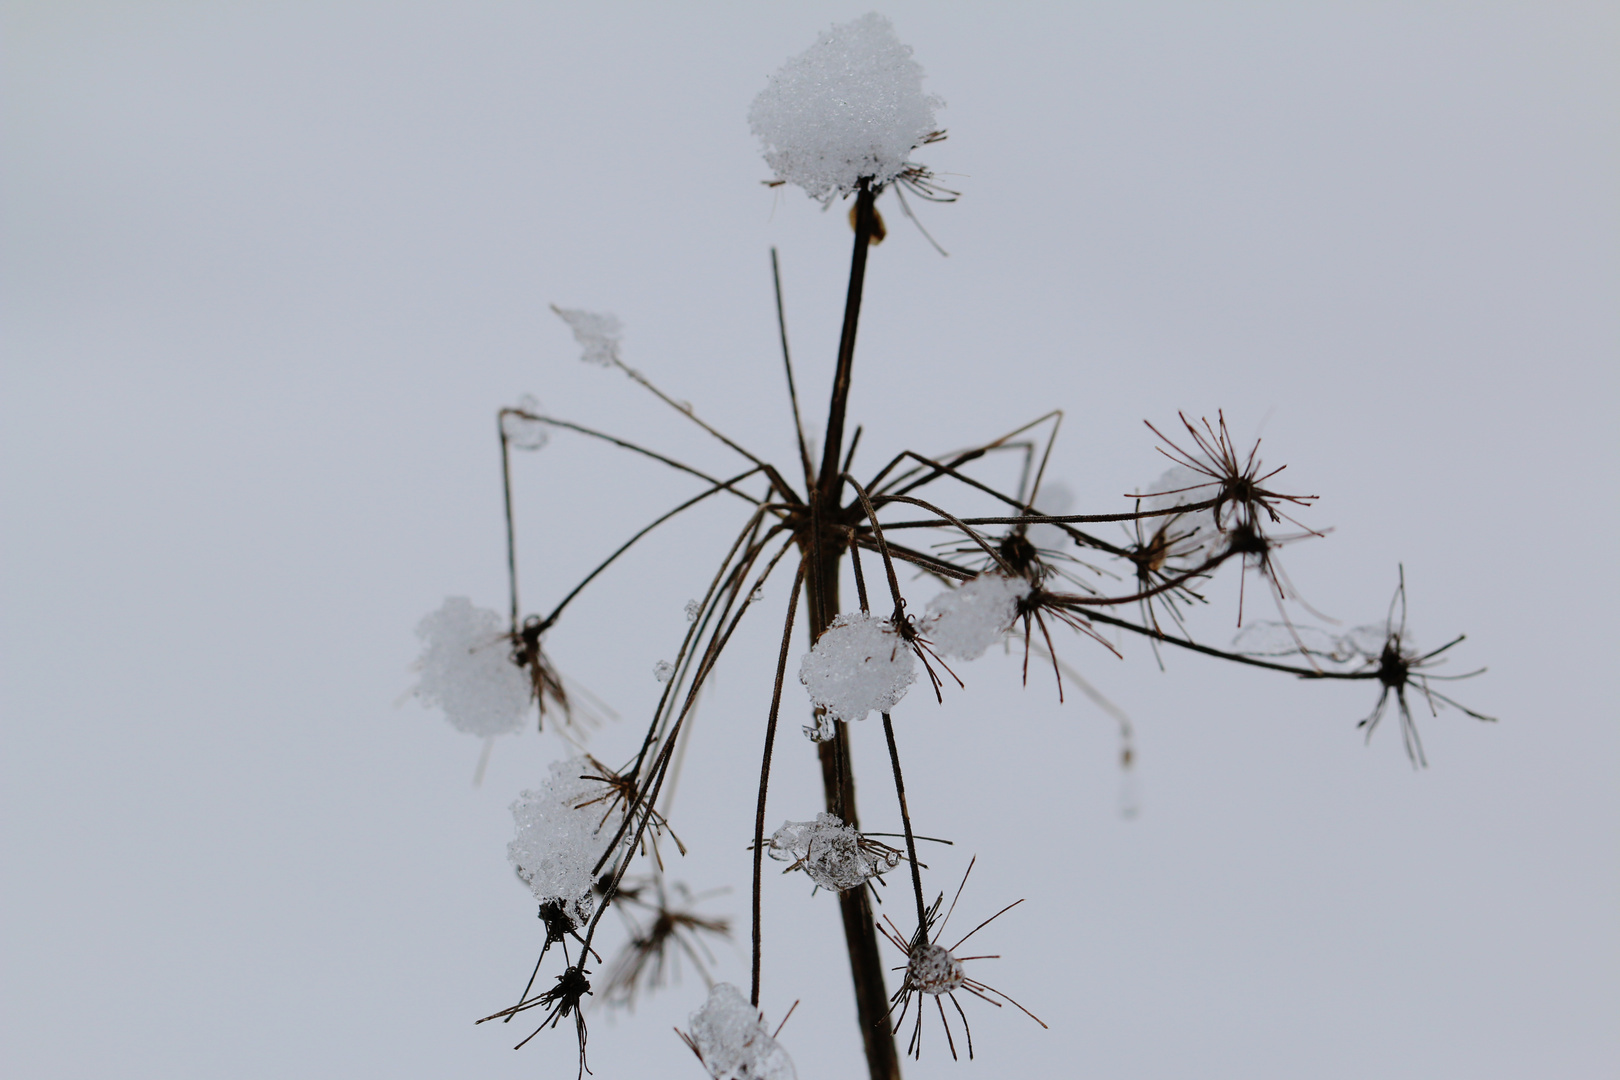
point(765, 772)
point(905, 821)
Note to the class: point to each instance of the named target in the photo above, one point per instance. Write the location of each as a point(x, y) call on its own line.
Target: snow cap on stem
point(850, 107)
point(965, 621)
point(731, 1039)
point(599, 332)
point(563, 827)
point(859, 664)
point(831, 852)
point(467, 670)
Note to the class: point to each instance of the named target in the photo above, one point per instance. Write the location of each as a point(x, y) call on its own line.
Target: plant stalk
point(837, 777)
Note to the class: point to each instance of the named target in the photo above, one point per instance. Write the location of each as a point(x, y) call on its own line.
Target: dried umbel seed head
point(933, 970)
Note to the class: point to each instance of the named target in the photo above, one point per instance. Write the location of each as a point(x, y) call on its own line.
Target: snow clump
point(965, 621)
point(731, 1039)
point(560, 838)
point(830, 852)
point(860, 664)
point(467, 670)
point(524, 432)
point(598, 332)
point(851, 106)
point(1182, 486)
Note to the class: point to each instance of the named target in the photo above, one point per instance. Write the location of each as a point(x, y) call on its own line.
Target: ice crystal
point(524, 432)
point(860, 664)
point(466, 669)
point(850, 107)
point(693, 610)
point(732, 1041)
point(830, 852)
point(965, 621)
point(598, 332)
point(563, 827)
point(663, 670)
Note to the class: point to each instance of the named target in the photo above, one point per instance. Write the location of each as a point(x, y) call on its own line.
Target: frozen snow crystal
point(965, 621)
point(598, 332)
point(663, 670)
point(733, 1042)
point(830, 852)
point(858, 665)
point(559, 839)
point(851, 106)
point(467, 670)
point(521, 431)
point(693, 609)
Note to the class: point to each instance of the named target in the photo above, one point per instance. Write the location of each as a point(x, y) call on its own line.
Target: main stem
point(837, 777)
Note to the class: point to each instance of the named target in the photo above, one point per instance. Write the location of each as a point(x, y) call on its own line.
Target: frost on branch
point(859, 664)
point(731, 1039)
point(598, 332)
point(832, 853)
point(965, 621)
point(563, 827)
point(467, 669)
point(849, 107)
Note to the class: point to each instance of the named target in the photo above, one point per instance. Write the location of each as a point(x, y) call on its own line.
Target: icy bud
point(733, 1042)
point(466, 670)
point(597, 332)
point(663, 670)
point(829, 851)
point(824, 729)
point(559, 840)
point(858, 665)
point(521, 431)
point(932, 969)
point(849, 107)
point(965, 621)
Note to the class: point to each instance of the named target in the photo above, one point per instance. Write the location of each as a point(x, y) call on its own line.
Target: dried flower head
point(665, 929)
point(935, 970)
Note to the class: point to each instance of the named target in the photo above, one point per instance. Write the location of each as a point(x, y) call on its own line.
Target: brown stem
point(832, 449)
point(838, 781)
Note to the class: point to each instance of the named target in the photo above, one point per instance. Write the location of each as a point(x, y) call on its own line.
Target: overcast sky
point(268, 270)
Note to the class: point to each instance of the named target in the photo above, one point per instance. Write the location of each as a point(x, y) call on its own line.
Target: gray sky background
point(268, 271)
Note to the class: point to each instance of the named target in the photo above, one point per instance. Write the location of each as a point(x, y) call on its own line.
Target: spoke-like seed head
point(933, 970)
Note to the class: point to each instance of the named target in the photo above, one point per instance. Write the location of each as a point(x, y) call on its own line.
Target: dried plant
point(841, 122)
